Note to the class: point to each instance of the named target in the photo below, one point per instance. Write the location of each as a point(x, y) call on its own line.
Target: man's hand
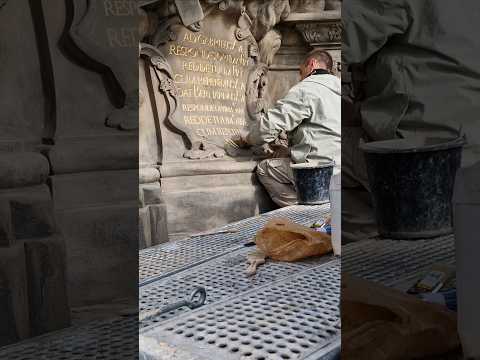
point(240, 140)
point(280, 151)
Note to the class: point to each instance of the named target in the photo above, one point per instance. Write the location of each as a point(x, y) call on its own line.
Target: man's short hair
point(321, 56)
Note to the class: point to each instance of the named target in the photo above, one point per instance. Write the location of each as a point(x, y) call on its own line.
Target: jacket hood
point(329, 81)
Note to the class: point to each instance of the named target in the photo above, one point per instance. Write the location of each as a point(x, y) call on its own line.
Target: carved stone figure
point(104, 53)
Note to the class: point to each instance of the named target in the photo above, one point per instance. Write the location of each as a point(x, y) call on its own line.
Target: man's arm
point(368, 24)
point(286, 115)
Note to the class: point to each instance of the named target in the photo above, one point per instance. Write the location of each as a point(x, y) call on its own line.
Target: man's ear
point(311, 63)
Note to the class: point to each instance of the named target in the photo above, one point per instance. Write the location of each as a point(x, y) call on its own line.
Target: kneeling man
point(310, 115)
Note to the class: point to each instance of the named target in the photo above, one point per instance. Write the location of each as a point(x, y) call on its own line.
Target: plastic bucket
point(312, 182)
point(412, 184)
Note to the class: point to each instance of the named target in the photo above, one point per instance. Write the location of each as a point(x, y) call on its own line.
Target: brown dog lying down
point(379, 323)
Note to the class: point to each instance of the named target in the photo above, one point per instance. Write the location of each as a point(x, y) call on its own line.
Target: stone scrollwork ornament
point(256, 87)
point(200, 148)
point(254, 26)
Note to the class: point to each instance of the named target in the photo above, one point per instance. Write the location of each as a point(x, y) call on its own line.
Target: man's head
point(316, 59)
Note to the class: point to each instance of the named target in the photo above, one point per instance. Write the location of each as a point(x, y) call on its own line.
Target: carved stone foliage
point(319, 33)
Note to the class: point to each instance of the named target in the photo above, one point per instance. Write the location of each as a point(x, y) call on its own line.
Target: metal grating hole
point(165, 258)
point(391, 262)
point(222, 277)
point(112, 339)
point(287, 320)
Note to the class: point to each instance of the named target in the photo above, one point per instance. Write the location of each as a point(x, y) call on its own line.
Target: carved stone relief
point(173, 21)
point(318, 33)
point(101, 36)
point(254, 31)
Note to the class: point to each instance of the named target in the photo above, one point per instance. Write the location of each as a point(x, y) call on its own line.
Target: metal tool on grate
point(197, 299)
point(294, 317)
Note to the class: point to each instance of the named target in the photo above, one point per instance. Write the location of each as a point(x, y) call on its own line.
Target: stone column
point(311, 25)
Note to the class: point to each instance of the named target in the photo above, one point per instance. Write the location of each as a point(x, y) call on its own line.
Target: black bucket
point(312, 182)
point(412, 185)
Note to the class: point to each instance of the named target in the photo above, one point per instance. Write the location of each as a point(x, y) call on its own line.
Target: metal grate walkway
point(395, 262)
point(109, 339)
point(286, 311)
point(287, 319)
point(222, 277)
point(164, 259)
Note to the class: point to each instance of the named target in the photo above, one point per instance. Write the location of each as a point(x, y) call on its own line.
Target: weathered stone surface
point(21, 125)
point(6, 228)
point(27, 216)
point(153, 216)
point(22, 169)
point(93, 188)
point(32, 218)
point(38, 193)
point(189, 198)
point(48, 303)
point(101, 246)
point(73, 93)
point(95, 52)
point(95, 153)
point(14, 314)
point(150, 194)
point(144, 228)
point(158, 223)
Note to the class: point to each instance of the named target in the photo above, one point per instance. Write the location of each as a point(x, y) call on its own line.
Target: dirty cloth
point(283, 240)
point(310, 114)
point(277, 177)
point(422, 68)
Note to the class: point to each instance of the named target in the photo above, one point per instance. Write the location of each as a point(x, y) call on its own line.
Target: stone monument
point(68, 160)
point(203, 65)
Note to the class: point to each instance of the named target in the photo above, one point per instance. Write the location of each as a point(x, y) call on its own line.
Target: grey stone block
point(102, 252)
point(144, 230)
point(14, 315)
point(22, 169)
point(48, 303)
point(158, 223)
point(6, 230)
point(32, 218)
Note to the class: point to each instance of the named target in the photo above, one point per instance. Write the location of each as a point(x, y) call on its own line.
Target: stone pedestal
point(14, 309)
point(48, 302)
point(33, 259)
point(202, 195)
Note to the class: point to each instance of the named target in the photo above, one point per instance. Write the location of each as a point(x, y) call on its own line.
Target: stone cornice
point(323, 16)
point(318, 29)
